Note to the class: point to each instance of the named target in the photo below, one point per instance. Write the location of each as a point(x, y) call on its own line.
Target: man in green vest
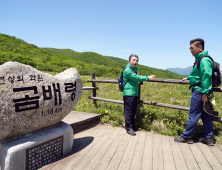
point(131, 92)
point(201, 85)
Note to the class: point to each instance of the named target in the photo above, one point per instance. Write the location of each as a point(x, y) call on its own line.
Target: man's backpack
point(120, 80)
point(216, 74)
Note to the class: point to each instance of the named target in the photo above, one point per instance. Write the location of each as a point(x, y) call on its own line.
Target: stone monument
point(32, 105)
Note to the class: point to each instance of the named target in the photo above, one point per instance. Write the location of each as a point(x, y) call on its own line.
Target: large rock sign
point(31, 100)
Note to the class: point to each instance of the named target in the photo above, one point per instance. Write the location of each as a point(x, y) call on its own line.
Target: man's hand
point(184, 79)
point(204, 98)
point(151, 77)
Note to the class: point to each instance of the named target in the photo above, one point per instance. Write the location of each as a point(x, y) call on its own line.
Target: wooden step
point(81, 120)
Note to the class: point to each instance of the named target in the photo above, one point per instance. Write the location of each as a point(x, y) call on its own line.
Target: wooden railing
point(94, 98)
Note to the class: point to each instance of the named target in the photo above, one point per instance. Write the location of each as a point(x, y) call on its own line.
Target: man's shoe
point(131, 132)
point(136, 128)
point(206, 141)
point(183, 140)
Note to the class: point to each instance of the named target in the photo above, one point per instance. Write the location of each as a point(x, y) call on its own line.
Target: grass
point(160, 120)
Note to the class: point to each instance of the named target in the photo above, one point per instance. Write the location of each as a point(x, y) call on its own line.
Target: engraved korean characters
point(31, 100)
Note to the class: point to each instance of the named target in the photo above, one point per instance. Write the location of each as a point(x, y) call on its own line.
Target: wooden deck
point(81, 120)
point(104, 147)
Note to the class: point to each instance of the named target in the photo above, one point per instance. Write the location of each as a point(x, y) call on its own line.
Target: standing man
point(201, 85)
point(131, 92)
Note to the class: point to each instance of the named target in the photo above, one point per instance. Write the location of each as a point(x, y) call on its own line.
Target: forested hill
point(57, 60)
point(112, 62)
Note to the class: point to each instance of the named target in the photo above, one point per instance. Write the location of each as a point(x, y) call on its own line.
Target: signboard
point(46, 152)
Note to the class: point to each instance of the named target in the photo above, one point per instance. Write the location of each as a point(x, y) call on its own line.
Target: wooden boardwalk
point(105, 147)
point(81, 120)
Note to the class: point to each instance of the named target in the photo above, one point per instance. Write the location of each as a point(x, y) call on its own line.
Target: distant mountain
point(181, 71)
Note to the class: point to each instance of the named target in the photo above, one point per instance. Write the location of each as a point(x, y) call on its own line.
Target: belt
point(192, 86)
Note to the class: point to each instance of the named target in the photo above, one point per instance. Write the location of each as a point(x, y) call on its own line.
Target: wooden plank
point(200, 158)
point(114, 164)
point(147, 161)
point(106, 159)
point(220, 147)
point(122, 131)
point(59, 164)
point(217, 152)
point(96, 131)
point(90, 88)
point(212, 160)
point(76, 117)
point(157, 153)
point(144, 102)
point(86, 155)
point(178, 155)
point(80, 120)
point(153, 80)
point(113, 148)
point(103, 148)
point(127, 157)
point(73, 159)
point(89, 132)
point(174, 81)
point(115, 133)
point(106, 100)
point(188, 156)
point(138, 153)
point(218, 89)
point(77, 113)
point(169, 81)
point(103, 81)
point(165, 105)
point(167, 153)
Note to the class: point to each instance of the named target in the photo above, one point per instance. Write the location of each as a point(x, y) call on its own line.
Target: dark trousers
point(196, 112)
point(130, 107)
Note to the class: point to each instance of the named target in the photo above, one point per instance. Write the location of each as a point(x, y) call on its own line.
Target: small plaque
point(44, 153)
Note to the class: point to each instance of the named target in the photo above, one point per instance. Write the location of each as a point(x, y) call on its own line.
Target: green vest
point(202, 75)
point(131, 88)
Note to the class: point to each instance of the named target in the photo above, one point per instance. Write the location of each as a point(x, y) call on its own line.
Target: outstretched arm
point(151, 77)
point(129, 74)
point(184, 79)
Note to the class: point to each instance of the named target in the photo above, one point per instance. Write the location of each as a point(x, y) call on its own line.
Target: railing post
point(139, 105)
point(94, 90)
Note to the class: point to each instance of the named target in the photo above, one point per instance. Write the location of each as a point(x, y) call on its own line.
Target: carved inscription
point(31, 100)
point(30, 103)
point(13, 79)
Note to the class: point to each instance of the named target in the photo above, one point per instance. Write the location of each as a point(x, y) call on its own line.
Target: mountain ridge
point(57, 60)
point(181, 71)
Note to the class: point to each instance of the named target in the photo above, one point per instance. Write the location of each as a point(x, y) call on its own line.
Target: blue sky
point(158, 31)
